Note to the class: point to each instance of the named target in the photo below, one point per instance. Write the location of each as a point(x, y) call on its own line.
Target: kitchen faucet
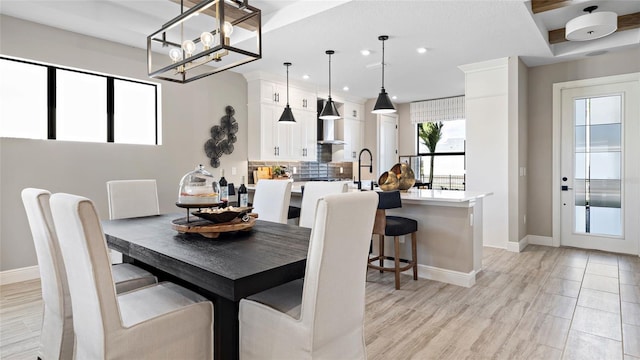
point(360, 167)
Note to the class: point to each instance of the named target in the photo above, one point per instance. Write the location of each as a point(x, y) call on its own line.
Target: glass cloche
point(199, 188)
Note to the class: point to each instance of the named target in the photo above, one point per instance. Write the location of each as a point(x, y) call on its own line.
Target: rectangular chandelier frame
point(181, 68)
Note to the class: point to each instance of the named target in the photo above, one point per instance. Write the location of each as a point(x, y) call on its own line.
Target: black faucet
point(360, 166)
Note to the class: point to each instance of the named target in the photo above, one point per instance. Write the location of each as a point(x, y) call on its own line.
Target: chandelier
point(221, 33)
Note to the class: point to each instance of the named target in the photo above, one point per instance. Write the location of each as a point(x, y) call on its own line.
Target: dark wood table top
point(233, 266)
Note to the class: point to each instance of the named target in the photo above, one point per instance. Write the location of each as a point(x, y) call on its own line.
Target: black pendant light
point(287, 115)
point(329, 112)
point(383, 104)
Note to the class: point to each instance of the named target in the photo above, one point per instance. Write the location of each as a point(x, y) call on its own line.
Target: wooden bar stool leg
point(381, 250)
point(414, 255)
point(396, 241)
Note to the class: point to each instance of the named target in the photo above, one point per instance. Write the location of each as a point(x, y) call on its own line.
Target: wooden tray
point(211, 230)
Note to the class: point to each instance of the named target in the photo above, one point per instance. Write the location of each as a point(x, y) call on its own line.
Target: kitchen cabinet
point(302, 99)
point(351, 129)
point(305, 144)
point(276, 93)
point(268, 139)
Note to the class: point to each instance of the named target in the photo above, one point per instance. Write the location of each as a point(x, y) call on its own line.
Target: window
point(41, 101)
point(23, 100)
point(448, 158)
point(81, 107)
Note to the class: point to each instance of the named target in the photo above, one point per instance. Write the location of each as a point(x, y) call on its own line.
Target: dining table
point(224, 270)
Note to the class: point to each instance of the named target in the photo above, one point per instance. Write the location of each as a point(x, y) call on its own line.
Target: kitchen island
point(449, 234)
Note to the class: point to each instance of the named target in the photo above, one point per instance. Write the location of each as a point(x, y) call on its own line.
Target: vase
point(388, 181)
point(406, 177)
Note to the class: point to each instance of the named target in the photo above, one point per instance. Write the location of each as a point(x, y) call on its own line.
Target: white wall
point(487, 155)
point(539, 137)
point(188, 112)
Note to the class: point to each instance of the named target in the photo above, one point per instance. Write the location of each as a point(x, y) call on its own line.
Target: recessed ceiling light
point(421, 50)
point(346, 88)
point(394, 97)
point(365, 52)
point(305, 76)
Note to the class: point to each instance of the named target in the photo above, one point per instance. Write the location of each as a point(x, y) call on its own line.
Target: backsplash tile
point(308, 170)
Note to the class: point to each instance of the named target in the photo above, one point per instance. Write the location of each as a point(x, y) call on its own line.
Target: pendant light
point(329, 112)
point(383, 104)
point(287, 115)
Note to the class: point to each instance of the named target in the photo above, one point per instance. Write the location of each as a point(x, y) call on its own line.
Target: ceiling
point(454, 32)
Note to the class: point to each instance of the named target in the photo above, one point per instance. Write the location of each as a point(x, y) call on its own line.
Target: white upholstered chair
point(132, 198)
point(271, 200)
point(129, 199)
point(313, 191)
point(162, 321)
point(56, 337)
point(321, 317)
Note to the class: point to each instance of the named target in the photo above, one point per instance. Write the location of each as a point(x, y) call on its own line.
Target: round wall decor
point(223, 137)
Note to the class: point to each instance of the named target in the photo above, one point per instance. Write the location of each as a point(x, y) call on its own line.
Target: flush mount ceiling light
point(383, 104)
point(220, 38)
point(329, 112)
point(287, 115)
point(592, 25)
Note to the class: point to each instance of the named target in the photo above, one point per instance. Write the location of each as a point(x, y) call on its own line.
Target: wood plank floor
point(543, 303)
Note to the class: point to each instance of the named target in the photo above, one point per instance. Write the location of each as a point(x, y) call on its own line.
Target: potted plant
point(430, 133)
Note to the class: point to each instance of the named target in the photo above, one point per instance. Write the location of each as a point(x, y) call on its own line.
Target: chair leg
point(381, 250)
point(414, 255)
point(396, 241)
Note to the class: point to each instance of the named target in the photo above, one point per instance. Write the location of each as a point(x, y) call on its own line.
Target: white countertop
point(413, 195)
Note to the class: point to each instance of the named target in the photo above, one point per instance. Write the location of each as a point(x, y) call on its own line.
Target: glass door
point(600, 132)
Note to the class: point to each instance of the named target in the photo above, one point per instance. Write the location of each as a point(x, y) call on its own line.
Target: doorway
point(599, 171)
point(387, 142)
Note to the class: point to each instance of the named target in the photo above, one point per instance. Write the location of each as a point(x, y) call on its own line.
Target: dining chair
point(394, 226)
point(322, 316)
point(271, 200)
point(129, 199)
point(313, 191)
point(132, 198)
point(161, 321)
point(56, 337)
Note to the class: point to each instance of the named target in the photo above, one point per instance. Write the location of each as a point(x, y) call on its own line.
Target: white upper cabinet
point(276, 93)
point(302, 99)
point(271, 92)
point(353, 111)
point(268, 139)
point(351, 129)
point(305, 143)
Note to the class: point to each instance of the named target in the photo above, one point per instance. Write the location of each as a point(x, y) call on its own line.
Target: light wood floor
point(543, 303)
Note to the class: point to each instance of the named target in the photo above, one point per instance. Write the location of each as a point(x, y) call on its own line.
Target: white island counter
point(449, 232)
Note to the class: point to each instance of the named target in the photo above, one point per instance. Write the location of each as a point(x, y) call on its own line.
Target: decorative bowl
point(222, 215)
point(388, 181)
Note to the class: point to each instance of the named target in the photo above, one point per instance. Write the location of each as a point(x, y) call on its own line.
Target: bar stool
point(395, 226)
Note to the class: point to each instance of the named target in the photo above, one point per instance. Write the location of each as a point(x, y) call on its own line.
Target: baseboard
point(540, 240)
point(18, 275)
point(443, 275)
point(517, 247)
point(447, 276)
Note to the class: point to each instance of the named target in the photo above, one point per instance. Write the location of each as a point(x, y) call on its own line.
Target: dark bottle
point(224, 188)
point(243, 195)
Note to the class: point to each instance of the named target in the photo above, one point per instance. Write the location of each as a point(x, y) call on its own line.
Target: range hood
point(327, 129)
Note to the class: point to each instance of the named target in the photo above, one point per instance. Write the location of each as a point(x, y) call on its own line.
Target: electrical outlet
point(234, 171)
point(295, 170)
point(341, 170)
